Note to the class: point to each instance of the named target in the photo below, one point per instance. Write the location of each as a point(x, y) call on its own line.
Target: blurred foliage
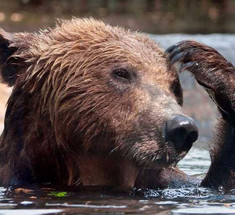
point(58, 194)
point(154, 16)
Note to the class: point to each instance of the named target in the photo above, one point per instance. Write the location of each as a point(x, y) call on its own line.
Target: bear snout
point(181, 131)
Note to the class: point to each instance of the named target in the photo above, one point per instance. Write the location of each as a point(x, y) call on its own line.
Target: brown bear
point(92, 105)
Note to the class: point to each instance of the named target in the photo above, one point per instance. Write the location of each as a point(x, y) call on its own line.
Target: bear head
point(88, 94)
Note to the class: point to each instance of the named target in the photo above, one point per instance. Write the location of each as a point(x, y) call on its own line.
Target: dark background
point(153, 16)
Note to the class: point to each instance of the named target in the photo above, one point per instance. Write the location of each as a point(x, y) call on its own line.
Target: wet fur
point(68, 123)
point(67, 117)
point(217, 76)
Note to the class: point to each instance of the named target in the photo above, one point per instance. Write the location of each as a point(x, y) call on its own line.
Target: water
point(168, 201)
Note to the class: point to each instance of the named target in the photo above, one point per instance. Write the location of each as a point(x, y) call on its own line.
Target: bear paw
point(210, 69)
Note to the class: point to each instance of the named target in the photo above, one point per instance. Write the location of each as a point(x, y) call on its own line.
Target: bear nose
point(181, 131)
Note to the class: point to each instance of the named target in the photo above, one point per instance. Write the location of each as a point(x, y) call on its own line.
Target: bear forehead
point(93, 35)
point(95, 43)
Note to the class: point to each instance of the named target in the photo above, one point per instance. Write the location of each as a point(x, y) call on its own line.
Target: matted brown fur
point(70, 121)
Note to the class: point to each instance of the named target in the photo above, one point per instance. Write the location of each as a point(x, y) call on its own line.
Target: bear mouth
point(151, 155)
point(122, 166)
point(168, 158)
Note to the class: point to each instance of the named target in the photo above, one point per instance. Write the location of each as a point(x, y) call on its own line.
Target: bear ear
point(11, 65)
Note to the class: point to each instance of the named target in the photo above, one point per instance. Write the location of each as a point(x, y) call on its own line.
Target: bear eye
point(122, 74)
